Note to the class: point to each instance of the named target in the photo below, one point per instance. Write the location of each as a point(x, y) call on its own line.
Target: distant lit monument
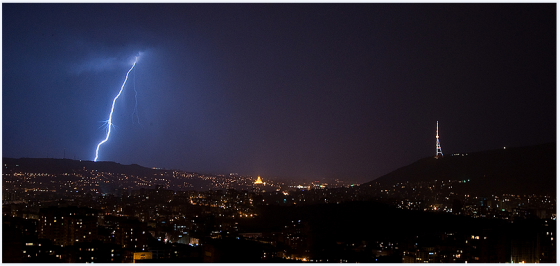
point(259, 181)
point(438, 147)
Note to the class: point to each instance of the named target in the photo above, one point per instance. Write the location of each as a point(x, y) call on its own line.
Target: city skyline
point(490, 207)
point(299, 91)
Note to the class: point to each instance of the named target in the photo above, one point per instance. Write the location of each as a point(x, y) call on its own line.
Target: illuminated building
point(259, 181)
point(66, 226)
point(142, 256)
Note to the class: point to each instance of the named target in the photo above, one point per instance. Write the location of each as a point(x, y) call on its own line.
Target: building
point(68, 225)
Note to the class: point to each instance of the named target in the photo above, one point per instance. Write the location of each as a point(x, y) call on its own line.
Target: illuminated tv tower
point(438, 147)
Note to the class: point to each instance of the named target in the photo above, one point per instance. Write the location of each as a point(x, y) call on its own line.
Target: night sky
point(299, 91)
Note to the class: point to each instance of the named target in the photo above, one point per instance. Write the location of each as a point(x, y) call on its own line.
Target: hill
point(135, 176)
point(522, 170)
point(58, 166)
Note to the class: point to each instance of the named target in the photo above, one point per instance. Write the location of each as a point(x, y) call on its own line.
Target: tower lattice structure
point(438, 146)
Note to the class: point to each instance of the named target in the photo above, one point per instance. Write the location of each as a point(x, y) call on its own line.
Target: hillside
point(58, 166)
point(523, 170)
point(136, 176)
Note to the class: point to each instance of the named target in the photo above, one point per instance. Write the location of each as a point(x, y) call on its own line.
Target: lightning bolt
point(109, 121)
point(135, 101)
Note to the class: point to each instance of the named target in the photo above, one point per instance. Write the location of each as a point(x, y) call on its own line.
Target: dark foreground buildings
point(218, 226)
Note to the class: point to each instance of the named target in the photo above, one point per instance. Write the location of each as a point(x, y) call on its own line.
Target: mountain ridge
point(520, 170)
point(57, 166)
